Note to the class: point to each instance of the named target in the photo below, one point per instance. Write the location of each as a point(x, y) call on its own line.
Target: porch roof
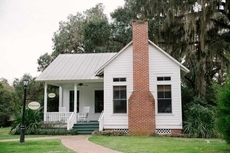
point(74, 67)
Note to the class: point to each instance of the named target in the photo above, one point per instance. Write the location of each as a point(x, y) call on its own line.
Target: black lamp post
point(22, 136)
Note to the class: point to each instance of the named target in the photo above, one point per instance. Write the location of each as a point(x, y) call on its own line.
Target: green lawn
point(41, 146)
point(30, 146)
point(141, 144)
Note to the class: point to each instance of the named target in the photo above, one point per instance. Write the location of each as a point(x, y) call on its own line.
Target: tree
point(195, 32)
point(34, 89)
point(68, 37)
point(82, 32)
point(44, 61)
point(6, 101)
point(223, 110)
point(96, 30)
point(86, 32)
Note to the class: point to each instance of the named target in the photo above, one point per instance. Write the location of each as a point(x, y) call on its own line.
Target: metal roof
point(75, 66)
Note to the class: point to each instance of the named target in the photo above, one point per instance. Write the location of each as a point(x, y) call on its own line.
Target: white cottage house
point(137, 89)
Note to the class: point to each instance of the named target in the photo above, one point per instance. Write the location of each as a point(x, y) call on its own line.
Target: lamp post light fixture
point(22, 136)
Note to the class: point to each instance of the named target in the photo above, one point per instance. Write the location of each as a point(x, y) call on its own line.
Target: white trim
point(118, 85)
point(60, 96)
point(168, 126)
point(75, 97)
point(45, 100)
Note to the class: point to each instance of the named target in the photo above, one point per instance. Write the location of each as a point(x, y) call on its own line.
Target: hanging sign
point(34, 105)
point(51, 95)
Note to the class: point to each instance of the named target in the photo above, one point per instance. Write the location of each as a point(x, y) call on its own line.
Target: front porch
point(70, 121)
point(73, 97)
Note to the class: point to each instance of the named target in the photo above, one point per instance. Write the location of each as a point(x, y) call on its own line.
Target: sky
point(27, 27)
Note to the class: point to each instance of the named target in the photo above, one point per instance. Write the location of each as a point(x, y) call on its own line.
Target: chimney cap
point(140, 21)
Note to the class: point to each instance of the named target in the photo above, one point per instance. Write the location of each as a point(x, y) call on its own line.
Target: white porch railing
point(58, 116)
point(101, 121)
point(71, 120)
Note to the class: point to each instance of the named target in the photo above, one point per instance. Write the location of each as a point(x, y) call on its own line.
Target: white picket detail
point(101, 121)
point(58, 116)
point(71, 121)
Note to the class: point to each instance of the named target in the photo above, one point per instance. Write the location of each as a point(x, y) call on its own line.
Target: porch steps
point(86, 127)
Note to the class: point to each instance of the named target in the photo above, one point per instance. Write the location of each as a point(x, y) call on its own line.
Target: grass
point(32, 146)
point(44, 146)
point(141, 144)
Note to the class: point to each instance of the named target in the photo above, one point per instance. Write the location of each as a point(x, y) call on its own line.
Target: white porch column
point(60, 97)
point(75, 97)
point(45, 101)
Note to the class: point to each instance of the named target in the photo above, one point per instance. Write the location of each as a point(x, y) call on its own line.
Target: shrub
point(199, 119)
point(109, 133)
point(52, 125)
point(55, 132)
point(223, 111)
point(32, 120)
point(6, 97)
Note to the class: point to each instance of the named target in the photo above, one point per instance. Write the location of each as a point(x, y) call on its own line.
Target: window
point(164, 98)
point(99, 101)
point(119, 79)
point(119, 99)
point(163, 78)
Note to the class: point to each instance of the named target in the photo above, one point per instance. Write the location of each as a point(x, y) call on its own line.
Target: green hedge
point(55, 132)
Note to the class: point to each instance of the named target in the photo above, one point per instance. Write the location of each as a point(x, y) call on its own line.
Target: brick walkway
point(79, 143)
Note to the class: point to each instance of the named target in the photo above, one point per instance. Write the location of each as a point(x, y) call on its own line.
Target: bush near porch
point(35, 125)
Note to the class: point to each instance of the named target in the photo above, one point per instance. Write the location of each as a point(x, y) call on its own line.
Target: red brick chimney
point(141, 107)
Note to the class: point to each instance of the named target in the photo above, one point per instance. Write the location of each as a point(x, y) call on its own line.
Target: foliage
point(109, 133)
point(68, 37)
point(195, 32)
point(43, 61)
point(52, 124)
point(34, 89)
point(87, 32)
point(55, 132)
point(143, 144)
point(7, 101)
point(5, 134)
point(223, 110)
point(82, 32)
point(96, 38)
point(199, 121)
point(32, 120)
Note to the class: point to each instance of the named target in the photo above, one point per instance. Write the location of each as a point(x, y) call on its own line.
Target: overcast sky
point(27, 27)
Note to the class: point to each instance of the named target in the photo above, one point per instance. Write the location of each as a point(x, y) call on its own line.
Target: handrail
point(71, 120)
point(101, 121)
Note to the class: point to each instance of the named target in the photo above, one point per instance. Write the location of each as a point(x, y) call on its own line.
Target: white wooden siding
point(120, 67)
point(161, 65)
point(86, 97)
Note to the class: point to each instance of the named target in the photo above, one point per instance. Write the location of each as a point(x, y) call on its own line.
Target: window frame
point(119, 79)
point(126, 105)
point(164, 82)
